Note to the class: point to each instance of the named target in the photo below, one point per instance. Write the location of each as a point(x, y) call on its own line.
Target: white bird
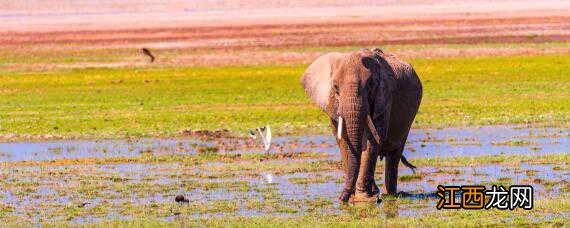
point(265, 138)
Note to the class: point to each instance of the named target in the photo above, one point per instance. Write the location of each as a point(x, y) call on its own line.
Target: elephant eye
point(336, 90)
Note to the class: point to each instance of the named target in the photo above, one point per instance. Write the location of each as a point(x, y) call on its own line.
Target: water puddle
point(258, 188)
point(255, 194)
point(475, 141)
point(487, 140)
point(41, 151)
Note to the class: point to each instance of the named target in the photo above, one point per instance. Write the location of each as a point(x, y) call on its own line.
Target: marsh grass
point(166, 101)
point(514, 143)
point(151, 158)
point(149, 198)
point(311, 180)
point(545, 213)
point(138, 102)
point(411, 177)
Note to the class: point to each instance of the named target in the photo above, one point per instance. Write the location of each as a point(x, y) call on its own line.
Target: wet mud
point(281, 186)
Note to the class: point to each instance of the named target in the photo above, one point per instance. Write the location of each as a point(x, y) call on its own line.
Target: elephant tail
point(408, 164)
point(404, 161)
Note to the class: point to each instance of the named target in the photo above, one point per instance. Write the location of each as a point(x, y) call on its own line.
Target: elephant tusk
point(373, 129)
point(339, 131)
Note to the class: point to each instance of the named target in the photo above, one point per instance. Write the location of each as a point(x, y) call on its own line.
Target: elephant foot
point(345, 196)
point(364, 197)
point(367, 193)
point(374, 190)
point(386, 193)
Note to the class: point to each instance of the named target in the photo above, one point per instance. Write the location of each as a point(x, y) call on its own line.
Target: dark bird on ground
point(181, 199)
point(147, 53)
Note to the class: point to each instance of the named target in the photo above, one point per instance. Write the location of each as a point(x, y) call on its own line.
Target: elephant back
point(404, 73)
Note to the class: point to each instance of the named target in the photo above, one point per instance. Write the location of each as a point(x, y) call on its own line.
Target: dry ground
point(254, 33)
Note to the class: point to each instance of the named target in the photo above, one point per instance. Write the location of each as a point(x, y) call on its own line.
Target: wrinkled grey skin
point(354, 86)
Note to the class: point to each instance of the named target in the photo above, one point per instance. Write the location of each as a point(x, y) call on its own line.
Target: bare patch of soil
point(275, 37)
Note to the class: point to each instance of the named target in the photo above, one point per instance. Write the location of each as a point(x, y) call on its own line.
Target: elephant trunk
point(352, 114)
point(354, 126)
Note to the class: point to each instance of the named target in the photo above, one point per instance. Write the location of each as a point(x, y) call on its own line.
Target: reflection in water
point(394, 206)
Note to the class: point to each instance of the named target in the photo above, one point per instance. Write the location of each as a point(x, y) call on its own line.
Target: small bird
point(147, 53)
point(181, 199)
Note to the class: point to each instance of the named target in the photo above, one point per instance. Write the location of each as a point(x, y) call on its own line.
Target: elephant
point(372, 99)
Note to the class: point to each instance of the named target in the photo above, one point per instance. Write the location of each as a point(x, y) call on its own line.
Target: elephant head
point(354, 89)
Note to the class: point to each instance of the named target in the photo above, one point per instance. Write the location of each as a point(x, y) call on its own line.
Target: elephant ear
point(318, 78)
point(383, 87)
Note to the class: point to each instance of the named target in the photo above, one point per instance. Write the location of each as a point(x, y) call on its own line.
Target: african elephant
point(372, 99)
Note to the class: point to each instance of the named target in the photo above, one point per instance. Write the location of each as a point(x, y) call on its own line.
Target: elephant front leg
point(350, 165)
point(366, 188)
point(374, 155)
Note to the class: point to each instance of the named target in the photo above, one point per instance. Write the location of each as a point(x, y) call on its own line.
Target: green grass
point(130, 193)
point(76, 53)
point(546, 212)
point(119, 102)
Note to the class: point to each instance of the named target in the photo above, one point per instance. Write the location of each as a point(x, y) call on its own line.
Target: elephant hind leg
point(393, 158)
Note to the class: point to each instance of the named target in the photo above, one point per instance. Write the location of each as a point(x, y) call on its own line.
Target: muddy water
point(487, 140)
point(59, 188)
point(40, 151)
point(476, 141)
point(285, 188)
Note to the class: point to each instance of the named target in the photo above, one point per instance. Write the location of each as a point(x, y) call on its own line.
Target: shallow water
point(40, 151)
point(290, 194)
point(474, 141)
point(487, 140)
point(51, 190)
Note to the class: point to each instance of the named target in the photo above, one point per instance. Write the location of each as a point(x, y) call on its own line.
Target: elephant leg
point(366, 188)
point(347, 158)
point(375, 148)
point(391, 170)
